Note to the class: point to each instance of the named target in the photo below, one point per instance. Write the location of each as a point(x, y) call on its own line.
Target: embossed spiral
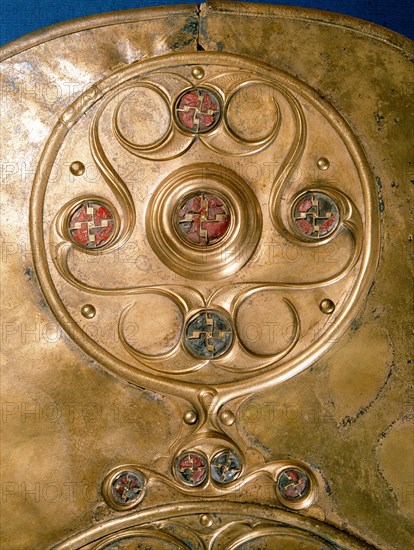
point(255, 214)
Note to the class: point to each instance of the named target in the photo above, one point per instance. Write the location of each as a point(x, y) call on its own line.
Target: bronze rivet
point(227, 418)
point(323, 163)
point(206, 520)
point(77, 168)
point(198, 73)
point(327, 306)
point(190, 417)
point(293, 484)
point(88, 311)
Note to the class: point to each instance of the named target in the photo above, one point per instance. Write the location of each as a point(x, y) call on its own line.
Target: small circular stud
point(327, 306)
point(88, 311)
point(208, 334)
point(203, 219)
point(315, 215)
point(198, 110)
point(293, 485)
point(206, 520)
point(191, 468)
point(227, 418)
point(91, 224)
point(127, 489)
point(323, 163)
point(190, 417)
point(225, 466)
point(77, 168)
point(197, 73)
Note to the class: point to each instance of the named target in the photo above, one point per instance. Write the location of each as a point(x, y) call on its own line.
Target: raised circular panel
point(198, 110)
point(205, 226)
point(203, 221)
point(233, 276)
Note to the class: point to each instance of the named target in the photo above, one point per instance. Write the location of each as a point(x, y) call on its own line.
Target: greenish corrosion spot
point(191, 27)
point(185, 36)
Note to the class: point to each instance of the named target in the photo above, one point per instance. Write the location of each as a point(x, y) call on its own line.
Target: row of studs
point(202, 220)
point(293, 485)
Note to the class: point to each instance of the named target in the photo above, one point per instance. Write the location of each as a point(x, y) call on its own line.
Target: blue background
point(19, 17)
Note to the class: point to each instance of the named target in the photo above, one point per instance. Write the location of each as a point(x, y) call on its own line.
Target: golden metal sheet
point(206, 250)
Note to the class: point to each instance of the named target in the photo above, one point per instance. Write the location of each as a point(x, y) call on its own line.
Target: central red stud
point(203, 219)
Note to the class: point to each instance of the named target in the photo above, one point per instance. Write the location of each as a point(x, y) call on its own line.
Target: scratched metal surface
point(221, 358)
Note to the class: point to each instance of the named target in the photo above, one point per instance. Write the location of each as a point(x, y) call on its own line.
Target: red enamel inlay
point(305, 205)
point(305, 226)
point(326, 225)
point(91, 225)
point(204, 219)
point(295, 484)
point(316, 215)
point(192, 468)
point(198, 110)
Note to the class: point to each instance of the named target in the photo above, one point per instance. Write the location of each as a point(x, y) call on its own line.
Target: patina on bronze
point(206, 250)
